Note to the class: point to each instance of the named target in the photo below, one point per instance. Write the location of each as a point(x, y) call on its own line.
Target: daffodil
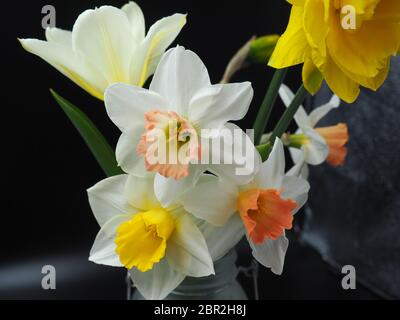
point(180, 104)
point(346, 42)
point(107, 45)
point(264, 207)
point(159, 245)
point(314, 144)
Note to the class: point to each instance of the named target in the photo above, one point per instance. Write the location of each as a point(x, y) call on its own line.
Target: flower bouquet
point(184, 184)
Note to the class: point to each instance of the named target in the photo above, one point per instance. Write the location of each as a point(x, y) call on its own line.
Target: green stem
point(264, 150)
point(266, 107)
point(287, 117)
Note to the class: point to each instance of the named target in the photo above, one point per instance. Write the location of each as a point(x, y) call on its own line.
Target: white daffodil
point(179, 107)
point(107, 45)
point(159, 245)
point(263, 208)
point(314, 144)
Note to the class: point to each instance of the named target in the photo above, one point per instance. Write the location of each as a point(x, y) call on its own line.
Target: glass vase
point(221, 286)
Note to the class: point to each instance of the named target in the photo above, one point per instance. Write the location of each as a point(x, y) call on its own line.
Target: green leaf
point(96, 142)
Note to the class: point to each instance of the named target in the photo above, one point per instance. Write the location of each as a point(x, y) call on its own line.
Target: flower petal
point(179, 76)
point(316, 150)
point(140, 192)
point(69, 64)
point(272, 171)
point(103, 249)
point(107, 199)
point(136, 19)
point(213, 106)
point(104, 35)
point(220, 240)
point(169, 190)
point(238, 159)
point(292, 47)
point(187, 250)
point(127, 157)
point(287, 97)
point(60, 36)
point(212, 200)
point(271, 253)
point(297, 189)
point(126, 104)
point(158, 282)
point(300, 168)
point(147, 56)
point(317, 114)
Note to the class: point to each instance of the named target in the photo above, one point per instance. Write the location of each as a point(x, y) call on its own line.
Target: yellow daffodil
point(107, 45)
point(346, 42)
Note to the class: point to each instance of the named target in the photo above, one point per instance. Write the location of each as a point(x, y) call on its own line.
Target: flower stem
point(266, 107)
point(287, 117)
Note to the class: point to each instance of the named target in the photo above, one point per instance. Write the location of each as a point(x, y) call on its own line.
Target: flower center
point(141, 242)
point(335, 137)
point(169, 143)
point(265, 213)
point(297, 140)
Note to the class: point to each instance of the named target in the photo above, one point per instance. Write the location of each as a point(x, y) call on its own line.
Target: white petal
point(213, 106)
point(69, 64)
point(103, 249)
point(179, 76)
point(271, 253)
point(233, 148)
point(147, 56)
point(127, 157)
point(213, 200)
point(272, 171)
point(126, 104)
point(168, 190)
point(297, 189)
point(287, 96)
point(158, 282)
point(187, 250)
point(107, 199)
point(220, 240)
point(136, 19)
point(300, 168)
point(316, 150)
point(104, 36)
point(63, 37)
point(320, 112)
point(140, 192)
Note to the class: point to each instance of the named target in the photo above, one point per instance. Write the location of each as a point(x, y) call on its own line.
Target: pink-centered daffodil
point(180, 105)
point(314, 144)
point(264, 206)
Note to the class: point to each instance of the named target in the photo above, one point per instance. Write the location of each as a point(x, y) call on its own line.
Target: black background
point(46, 218)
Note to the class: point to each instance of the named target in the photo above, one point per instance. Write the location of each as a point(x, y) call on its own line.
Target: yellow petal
point(312, 77)
point(344, 87)
point(292, 47)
